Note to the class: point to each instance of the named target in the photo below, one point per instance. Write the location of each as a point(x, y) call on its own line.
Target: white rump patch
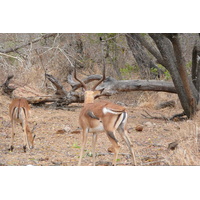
point(107, 110)
point(19, 116)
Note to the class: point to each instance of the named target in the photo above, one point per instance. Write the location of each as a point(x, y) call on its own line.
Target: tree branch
point(5, 86)
point(59, 87)
point(149, 47)
point(28, 43)
point(112, 86)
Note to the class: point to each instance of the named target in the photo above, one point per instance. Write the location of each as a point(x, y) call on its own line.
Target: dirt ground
point(54, 147)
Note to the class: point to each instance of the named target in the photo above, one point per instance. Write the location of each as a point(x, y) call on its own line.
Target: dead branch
point(5, 86)
point(71, 97)
point(60, 90)
point(149, 116)
point(176, 117)
point(110, 85)
point(42, 99)
point(45, 36)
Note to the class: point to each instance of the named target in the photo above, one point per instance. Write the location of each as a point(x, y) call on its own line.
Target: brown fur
point(110, 123)
point(19, 110)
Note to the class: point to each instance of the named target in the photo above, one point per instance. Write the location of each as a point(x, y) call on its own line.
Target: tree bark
point(170, 60)
point(143, 60)
point(190, 90)
point(112, 86)
point(196, 65)
point(71, 97)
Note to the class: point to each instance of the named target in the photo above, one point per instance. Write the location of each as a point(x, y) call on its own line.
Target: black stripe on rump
point(124, 116)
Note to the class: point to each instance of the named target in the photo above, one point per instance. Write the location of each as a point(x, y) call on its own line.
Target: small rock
point(172, 146)
point(77, 131)
point(148, 124)
point(56, 162)
point(67, 129)
point(60, 131)
point(139, 128)
point(43, 159)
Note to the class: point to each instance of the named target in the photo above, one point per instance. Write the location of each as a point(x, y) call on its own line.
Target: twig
point(4, 54)
point(177, 116)
point(161, 160)
point(105, 154)
point(154, 117)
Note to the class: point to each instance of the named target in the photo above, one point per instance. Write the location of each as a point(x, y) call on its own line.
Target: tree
point(168, 52)
point(147, 66)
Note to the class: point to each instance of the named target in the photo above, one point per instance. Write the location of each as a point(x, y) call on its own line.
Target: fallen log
point(70, 97)
point(109, 86)
point(112, 86)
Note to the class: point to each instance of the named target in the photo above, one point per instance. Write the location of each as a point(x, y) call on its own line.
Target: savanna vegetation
point(156, 76)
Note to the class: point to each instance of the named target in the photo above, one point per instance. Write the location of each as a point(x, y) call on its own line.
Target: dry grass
point(151, 144)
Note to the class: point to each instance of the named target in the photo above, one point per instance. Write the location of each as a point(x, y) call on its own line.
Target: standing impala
point(19, 113)
point(102, 116)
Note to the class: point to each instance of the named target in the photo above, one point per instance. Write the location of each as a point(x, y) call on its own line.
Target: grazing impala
point(99, 116)
point(19, 113)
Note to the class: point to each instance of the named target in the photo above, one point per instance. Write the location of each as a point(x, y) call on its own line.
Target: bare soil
point(56, 147)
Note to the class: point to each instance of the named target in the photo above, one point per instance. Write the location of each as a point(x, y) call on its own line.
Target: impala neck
point(89, 97)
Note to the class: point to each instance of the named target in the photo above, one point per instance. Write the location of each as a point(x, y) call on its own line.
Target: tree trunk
point(180, 79)
point(195, 65)
point(190, 90)
point(169, 54)
point(146, 65)
point(112, 86)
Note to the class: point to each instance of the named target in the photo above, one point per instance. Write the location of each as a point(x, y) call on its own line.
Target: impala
point(19, 110)
point(100, 116)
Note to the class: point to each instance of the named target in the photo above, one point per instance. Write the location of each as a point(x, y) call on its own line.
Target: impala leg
point(124, 135)
point(94, 141)
point(115, 145)
point(12, 137)
point(84, 139)
point(26, 144)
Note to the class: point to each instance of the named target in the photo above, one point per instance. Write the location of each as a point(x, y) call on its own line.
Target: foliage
point(126, 71)
point(75, 145)
point(167, 75)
